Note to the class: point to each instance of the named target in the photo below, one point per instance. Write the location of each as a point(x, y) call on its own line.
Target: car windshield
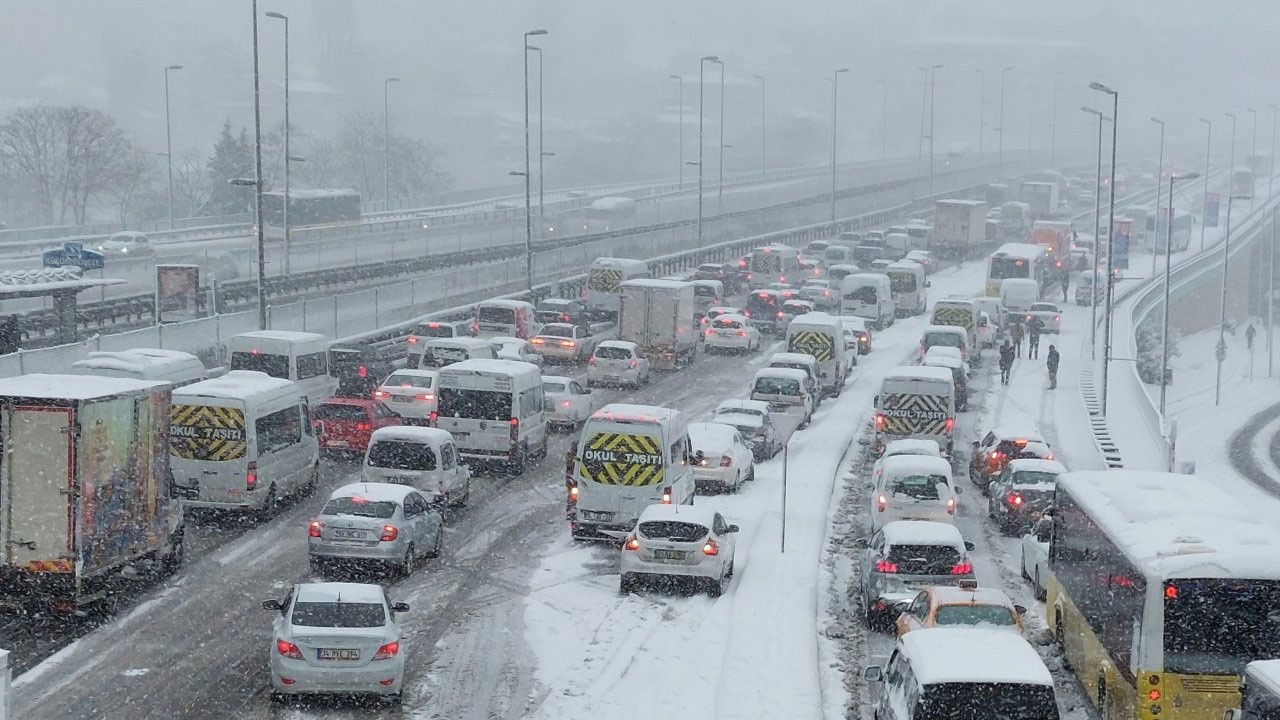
point(1034, 477)
point(756, 412)
point(341, 411)
point(433, 330)
point(924, 559)
point(777, 386)
point(609, 352)
point(360, 507)
point(944, 339)
point(497, 315)
point(276, 366)
point(920, 487)
point(565, 331)
point(672, 530)
point(554, 387)
point(338, 614)
point(409, 380)
point(973, 615)
point(987, 701)
point(401, 455)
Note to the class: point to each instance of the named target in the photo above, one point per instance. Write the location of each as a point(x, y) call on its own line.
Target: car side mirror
point(975, 444)
point(732, 529)
point(876, 401)
point(1020, 609)
point(959, 490)
point(400, 607)
point(869, 485)
point(861, 542)
point(968, 546)
point(928, 284)
point(873, 673)
point(272, 605)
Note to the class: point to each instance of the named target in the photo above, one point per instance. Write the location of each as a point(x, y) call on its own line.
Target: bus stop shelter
point(62, 284)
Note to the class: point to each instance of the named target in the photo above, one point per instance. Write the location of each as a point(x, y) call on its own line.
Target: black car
point(764, 307)
point(560, 310)
point(359, 368)
point(726, 273)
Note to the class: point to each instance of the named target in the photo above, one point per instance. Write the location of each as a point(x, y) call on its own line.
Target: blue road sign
point(73, 254)
point(1120, 241)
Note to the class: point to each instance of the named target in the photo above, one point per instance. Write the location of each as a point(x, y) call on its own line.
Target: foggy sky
point(607, 64)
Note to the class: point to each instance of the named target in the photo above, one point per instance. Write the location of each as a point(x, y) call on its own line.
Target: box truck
point(657, 315)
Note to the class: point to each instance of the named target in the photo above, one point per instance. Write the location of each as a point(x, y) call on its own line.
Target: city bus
point(1181, 239)
point(1015, 260)
point(1161, 589)
point(309, 209)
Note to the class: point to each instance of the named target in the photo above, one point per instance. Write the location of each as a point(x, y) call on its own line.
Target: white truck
point(657, 315)
point(84, 489)
point(959, 227)
point(1015, 220)
point(1042, 197)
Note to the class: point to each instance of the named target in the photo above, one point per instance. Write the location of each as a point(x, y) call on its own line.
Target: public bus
point(1161, 588)
point(1181, 239)
point(309, 209)
point(1015, 260)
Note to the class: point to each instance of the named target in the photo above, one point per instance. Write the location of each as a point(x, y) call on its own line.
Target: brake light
point(951, 506)
point(363, 371)
point(742, 333)
point(389, 533)
point(432, 418)
point(996, 456)
point(882, 502)
point(633, 543)
point(782, 278)
point(885, 566)
point(951, 424)
point(879, 421)
point(779, 313)
point(564, 403)
point(313, 530)
point(427, 396)
point(381, 393)
point(564, 317)
point(591, 360)
point(413, 340)
point(515, 429)
point(710, 332)
point(568, 343)
point(746, 313)
point(1057, 318)
point(573, 491)
point(475, 328)
point(710, 547)
point(726, 461)
point(288, 649)
point(633, 363)
point(251, 476)
point(363, 427)
point(388, 651)
point(748, 277)
point(538, 341)
point(962, 568)
point(666, 496)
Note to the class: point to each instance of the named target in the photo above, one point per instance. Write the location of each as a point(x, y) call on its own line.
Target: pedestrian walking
point(1033, 337)
point(1006, 361)
point(1066, 282)
point(1249, 335)
point(570, 464)
point(1015, 334)
point(1051, 362)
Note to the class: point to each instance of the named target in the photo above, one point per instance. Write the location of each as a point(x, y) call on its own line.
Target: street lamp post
point(1168, 264)
point(680, 152)
point(924, 112)
point(835, 103)
point(763, 160)
point(1271, 256)
point(1221, 349)
point(541, 153)
point(1111, 224)
point(257, 178)
point(1253, 148)
point(1097, 213)
point(982, 107)
point(287, 158)
point(1160, 179)
point(720, 154)
point(932, 85)
point(1204, 207)
point(1053, 123)
point(702, 71)
point(1000, 148)
point(168, 138)
point(528, 194)
point(884, 119)
point(386, 144)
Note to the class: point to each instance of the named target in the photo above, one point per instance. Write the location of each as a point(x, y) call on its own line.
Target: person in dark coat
point(1034, 327)
point(1051, 362)
point(1066, 282)
point(1006, 361)
point(1015, 333)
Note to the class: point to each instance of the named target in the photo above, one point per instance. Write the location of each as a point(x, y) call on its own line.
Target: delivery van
point(505, 318)
point(604, 282)
point(821, 336)
point(916, 402)
point(629, 457)
point(962, 313)
point(302, 357)
point(495, 411)
point(908, 286)
point(868, 296)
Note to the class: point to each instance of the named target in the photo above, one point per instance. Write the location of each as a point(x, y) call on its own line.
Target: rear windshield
point(777, 386)
point(553, 387)
point(402, 455)
point(795, 308)
point(741, 411)
point(565, 331)
point(344, 359)
point(434, 330)
point(501, 315)
point(274, 365)
point(942, 339)
point(924, 559)
point(727, 323)
point(613, 353)
point(336, 411)
point(866, 295)
point(704, 291)
point(407, 380)
point(440, 357)
point(973, 615)
point(475, 404)
point(339, 614)
point(902, 282)
point(672, 530)
point(359, 507)
point(988, 701)
point(1034, 477)
point(759, 304)
point(920, 487)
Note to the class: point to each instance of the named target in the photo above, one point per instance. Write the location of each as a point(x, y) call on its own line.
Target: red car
point(344, 424)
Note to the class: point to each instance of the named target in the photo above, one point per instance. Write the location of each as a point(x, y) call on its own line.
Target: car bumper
point(320, 549)
point(379, 677)
point(629, 377)
point(355, 445)
point(632, 564)
point(714, 477)
point(886, 590)
point(727, 343)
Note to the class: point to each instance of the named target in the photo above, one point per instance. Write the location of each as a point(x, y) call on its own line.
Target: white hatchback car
point(512, 348)
point(1049, 315)
point(617, 362)
point(336, 639)
point(375, 523)
point(721, 458)
point(569, 402)
point(679, 542)
point(731, 332)
point(410, 393)
point(912, 487)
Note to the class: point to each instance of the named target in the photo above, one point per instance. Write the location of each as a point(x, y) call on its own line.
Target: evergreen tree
point(232, 158)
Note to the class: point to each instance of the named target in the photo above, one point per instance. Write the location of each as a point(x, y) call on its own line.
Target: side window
point(576, 389)
point(307, 427)
point(446, 456)
point(920, 606)
point(677, 453)
point(718, 525)
point(278, 430)
point(313, 365)
point(412, 505)
point(530, 401)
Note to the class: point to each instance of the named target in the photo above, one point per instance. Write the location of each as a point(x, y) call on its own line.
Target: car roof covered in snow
point(952, 595)
point(919, 372)
point(701, 514)
point(912, 446)
point(71, 387)
point(285, 335)
point(944, 351)
point(247, 385)
point(625, 412)
point(487, 366)
point(953, 329)
point(506, 303)
point(711, 436)
point(1016, 432)
point(624, 344)
point(922, 532)
point(915, 465)
point(1177, 526)
point(412, 433)
point(791, 357)
point(556, 379)
point(652, 283)
point(415, 372)
point(787, 373)
point(743, 406)
point(374, 491)
point(339, 591)
point(946, 361)
point(465, 343)
point(1036, 465)
point(968, 655)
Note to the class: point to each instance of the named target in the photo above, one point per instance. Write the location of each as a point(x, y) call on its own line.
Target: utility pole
point(168, 138)
point(680, 154)
point(982, 108)
point(1111, 234)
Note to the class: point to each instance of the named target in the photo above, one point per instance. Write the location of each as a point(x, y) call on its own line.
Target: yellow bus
point(1162, 588)
point(1015, 261)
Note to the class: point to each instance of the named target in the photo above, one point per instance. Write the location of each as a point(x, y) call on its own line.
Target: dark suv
point(359, 368)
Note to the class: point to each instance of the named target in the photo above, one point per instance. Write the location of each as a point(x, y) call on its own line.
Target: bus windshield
point(1216, 626)
point(1004, 268)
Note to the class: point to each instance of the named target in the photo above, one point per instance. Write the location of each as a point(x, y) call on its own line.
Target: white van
point(302, 357)
point(505, 318)
point(836, 255)
point(944, 336)
point(836, 273)
point(912, 487)
point(439, 352)
point(908, 286)
point(787, 390)
point(804, 362)
point(962, 313)
point(423, 457)
point(916, 402)
point(774, 264)
point(1017, 294)
point(604, 282)
point(707, 294)
point(629, 457)
point(821, 336)
point(241, 441)
point(495, 411)
point(869, 296)
point(173, 366)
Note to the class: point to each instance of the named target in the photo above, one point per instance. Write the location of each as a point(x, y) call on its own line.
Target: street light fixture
point(287, 198)
point(1221, 349)
point(702, 71)
point(680, 80)
point(1253, 148)
point(1168, 264)
point(168, 138)
point(932, 85)
point(1053, 123)
point(982, 106)
point(762, 132)
point(835, 104)
point(386, 143)
point(1111, 224)
point(1159, 179)
point(1204, 207)
point(1097, 213)
point(720, 154)
point(884, 118)
point(1271, 256)
point(257, 177)
point(528, 193)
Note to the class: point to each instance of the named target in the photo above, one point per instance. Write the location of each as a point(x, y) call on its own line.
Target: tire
point(1041, 592)
point(435, 549)
point(312, 482)
point(1022, 566)
point(715, 586)
point(409, 562)
point(1060, 637)
point(171, 563)
point(315, 567)
point(394, 699)
point(269, 506)
point(466, 495)
point(752, 476)
point(521, 462)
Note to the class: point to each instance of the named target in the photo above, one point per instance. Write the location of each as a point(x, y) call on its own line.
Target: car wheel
point(269, 506)
point(172, 561)
point(313, 481)
point(393, 699)
point(279, 698)
point(1022, 565)
point(716, 586)
point(1041, 592)
point(409, 563)
point(439, 543)
point(466, 495)
point(315, 567)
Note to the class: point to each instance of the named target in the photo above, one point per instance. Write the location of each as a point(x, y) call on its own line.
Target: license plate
point(337, 654)
point(668, 554)
point(348, 534)
point(460, 435)
point(597, 516)
point(402, 398)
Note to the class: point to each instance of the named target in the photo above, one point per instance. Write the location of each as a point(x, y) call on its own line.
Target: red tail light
point(951, 506)
point(564, 317)
point(427, 396)
point(882, 502)
point(879, 421)
point(591, 360)
point(1015, 500)
point(746, 313)
point(1057, 318)
point(710, 332)
point(251, 476)
point(996, 456)
point(381, 393)
point(963, 568)
point(951, 424)
point(573, 491)
point(779, 313)
point(388, 651)
point(568, 343)
point(515, 429)
point(782, 278)
point(633, 363)
point(364, 427)
point(633, 543)
point(363, 371)
point(389, 533)
point(413, 340)
point(313, 530)
point(742, 333)
point(565, 403)
point(288, 649)
point(748, 277)
point(885, 566)
point(710, 547)
point(726, 461)
point(432, 418)
point(475, 328)
point(666, 496)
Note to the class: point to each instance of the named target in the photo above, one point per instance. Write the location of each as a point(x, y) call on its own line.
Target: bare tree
point(413, 164)
point(190, 184)
point(132, 175)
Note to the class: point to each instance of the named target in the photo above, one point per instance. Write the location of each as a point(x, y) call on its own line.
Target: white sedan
point(1035, 560)
point(570, 403)
point(336, 638)
point(617, 362)
point(673, 542)
point(731, 332)
point(1049, 316)
point(513, 348)
point(721, 458)
point(411, 392)
point(716, 311)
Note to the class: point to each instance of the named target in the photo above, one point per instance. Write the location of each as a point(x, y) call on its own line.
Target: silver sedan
point(375, 523)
